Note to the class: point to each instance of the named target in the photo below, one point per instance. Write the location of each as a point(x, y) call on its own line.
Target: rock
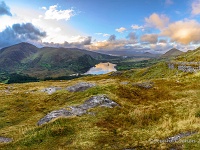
point(146, 85)
point(51, 90)
point(79, 87)
point(54, 114)
point(98, 100)
point(5, 140)
point(178, 137)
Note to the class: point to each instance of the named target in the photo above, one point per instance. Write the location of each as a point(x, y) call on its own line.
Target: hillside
point(150, 107)
point(190, 56)
point(172, 53)
point(11, 57)
point(48, 61)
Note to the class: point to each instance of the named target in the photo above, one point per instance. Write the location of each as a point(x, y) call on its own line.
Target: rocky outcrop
point(82, 86)
point(178, 137)
point(54, 114)
point(185, 66)
point(95, 101)
point(79, 87)
point(51, 90)
point(5, 140)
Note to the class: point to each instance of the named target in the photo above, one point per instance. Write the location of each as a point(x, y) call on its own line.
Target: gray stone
point(5, 140)
point(51, 90)
point(98, 100)
point(79, 87)
point(54, 114)
point(178, 137)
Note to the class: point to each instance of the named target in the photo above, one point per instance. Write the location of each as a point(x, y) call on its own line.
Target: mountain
point(13, 55)
point(48, 61)
point(172, 53)
point(130, 53)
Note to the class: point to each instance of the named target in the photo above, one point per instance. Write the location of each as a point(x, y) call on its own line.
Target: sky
point(144, 25)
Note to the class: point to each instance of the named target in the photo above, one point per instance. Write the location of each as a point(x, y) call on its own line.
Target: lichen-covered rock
point(98, 100)
point(54, 114)
point(79, 87)
point(5, 140)
point(51, 90)
point(178, 137)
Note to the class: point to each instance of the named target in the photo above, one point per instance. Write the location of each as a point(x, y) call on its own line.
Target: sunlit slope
point(155, 103)
point(190, 56)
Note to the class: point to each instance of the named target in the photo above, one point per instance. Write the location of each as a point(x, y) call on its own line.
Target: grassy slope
point(170, 107)
point(190, 56)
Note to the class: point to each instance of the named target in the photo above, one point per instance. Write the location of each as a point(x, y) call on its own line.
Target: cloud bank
point(20, 33)
point(184, 32)
point(157, 21)
point(4, 9)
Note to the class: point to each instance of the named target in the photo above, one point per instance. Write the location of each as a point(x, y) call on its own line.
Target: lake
point(102, 68)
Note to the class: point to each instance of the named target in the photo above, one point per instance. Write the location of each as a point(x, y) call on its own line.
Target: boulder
point(95, 101)
point(54, 114)
point(79, 87)
point(51, 90)
point(177, 137)
point(5, 140)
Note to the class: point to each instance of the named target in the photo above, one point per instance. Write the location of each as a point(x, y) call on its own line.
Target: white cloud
point(183, 32)
point(136, 27)
point(44, 8)
point(150, 38)
point(157, 21)
point(53, 13)
point(196, 7)
point(120, 30)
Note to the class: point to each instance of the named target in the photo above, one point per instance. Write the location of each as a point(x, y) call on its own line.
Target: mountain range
point(131, 53)
point(48, 61)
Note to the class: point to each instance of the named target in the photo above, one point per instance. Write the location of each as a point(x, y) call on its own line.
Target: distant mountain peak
point(172, 52)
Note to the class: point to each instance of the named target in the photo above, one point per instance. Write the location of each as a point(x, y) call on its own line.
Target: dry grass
point(170, 107)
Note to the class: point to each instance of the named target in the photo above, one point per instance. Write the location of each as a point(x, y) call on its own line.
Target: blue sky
point(144, 25)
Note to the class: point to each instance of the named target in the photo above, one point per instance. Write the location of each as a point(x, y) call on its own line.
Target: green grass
point(170, 107)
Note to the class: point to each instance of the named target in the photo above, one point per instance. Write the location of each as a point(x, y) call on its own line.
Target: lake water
point(102, 68)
